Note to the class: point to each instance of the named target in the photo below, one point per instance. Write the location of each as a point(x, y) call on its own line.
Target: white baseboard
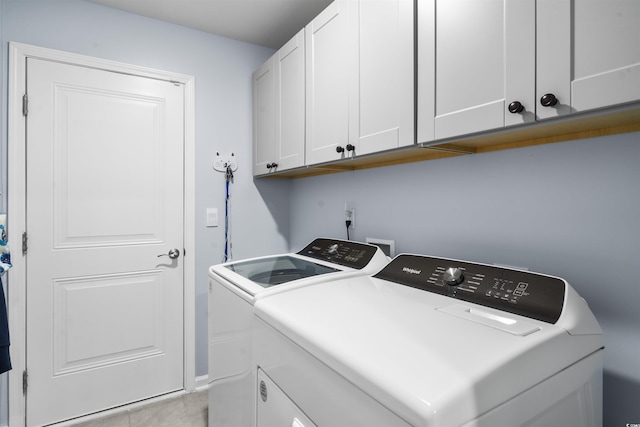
point(202, 383)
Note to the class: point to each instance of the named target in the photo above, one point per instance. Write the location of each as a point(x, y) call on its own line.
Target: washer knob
point(453, 276)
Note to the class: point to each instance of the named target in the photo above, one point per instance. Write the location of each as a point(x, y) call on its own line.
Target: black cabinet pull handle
point(339, 149)
point(350, 147)
point(516, 107)
point(548, 100)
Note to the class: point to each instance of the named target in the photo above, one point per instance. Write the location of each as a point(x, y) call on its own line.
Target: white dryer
point(234, 287)
point(430, 342)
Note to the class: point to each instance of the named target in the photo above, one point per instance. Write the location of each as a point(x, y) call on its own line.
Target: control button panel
point(350, 254)
point(520, 292)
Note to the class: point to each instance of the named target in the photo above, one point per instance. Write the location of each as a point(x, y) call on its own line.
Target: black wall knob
point(339, 149)
point(548, 100)
point(516, 107)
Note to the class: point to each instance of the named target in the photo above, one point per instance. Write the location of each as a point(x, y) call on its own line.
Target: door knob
point(173, 254)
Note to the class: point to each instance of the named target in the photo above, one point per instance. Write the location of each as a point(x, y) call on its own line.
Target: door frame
point(18, 53)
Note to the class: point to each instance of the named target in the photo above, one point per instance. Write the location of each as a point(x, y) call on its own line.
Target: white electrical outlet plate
point(350, 214)
point(220, 163)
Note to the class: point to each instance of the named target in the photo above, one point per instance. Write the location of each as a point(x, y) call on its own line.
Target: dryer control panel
point(520, 292)
point(342, 252)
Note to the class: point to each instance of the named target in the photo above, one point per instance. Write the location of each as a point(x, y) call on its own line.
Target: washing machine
point(429, 342)
point(234, 287)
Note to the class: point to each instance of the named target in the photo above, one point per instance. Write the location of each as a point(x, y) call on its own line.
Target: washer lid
point(267, 272)
point(321, 260)
point(276, 270)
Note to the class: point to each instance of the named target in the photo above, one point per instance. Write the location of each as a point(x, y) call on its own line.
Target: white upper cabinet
point(382, 108)
point(591, 59)
point(483, 57)
point(264, 133)
point(289, 103)
point(279, 109)
point(345, 85)
point(329, 53)
point(494, 63)
point(360, 79)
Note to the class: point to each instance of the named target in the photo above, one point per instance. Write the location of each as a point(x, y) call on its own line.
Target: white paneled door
point(104, 200)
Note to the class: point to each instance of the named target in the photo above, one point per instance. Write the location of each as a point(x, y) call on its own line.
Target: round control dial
point(452, 276)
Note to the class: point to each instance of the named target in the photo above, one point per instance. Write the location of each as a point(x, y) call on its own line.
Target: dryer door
point(275, 408)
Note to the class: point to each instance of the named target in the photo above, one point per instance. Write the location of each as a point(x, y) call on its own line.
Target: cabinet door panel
point(327, 83)
point(474, 119)
point(606, 38)
point(520, 64)
point(588, 54)
point(484, 60)
point(553, 66)
point(426, 60)
point(469, 54)
point(383, 76)
point(290, 109)
point(609, 88)
point(263, 117)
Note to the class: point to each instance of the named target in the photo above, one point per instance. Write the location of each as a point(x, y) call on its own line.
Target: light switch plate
point(212, 217)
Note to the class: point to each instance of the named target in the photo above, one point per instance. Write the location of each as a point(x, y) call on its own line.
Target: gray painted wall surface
point(222, 68)
point(570, 209)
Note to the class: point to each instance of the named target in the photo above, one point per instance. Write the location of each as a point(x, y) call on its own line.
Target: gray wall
point(569, 209)
point(222, 68)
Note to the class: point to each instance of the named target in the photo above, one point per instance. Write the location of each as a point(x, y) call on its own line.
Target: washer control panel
point(342, 252)
point(520, 292)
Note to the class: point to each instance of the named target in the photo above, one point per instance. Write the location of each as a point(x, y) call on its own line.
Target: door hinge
point(25, 380)
point(25, 105)
point(24, 243)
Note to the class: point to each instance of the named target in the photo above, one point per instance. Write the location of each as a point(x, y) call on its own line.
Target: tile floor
point(188, 410)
